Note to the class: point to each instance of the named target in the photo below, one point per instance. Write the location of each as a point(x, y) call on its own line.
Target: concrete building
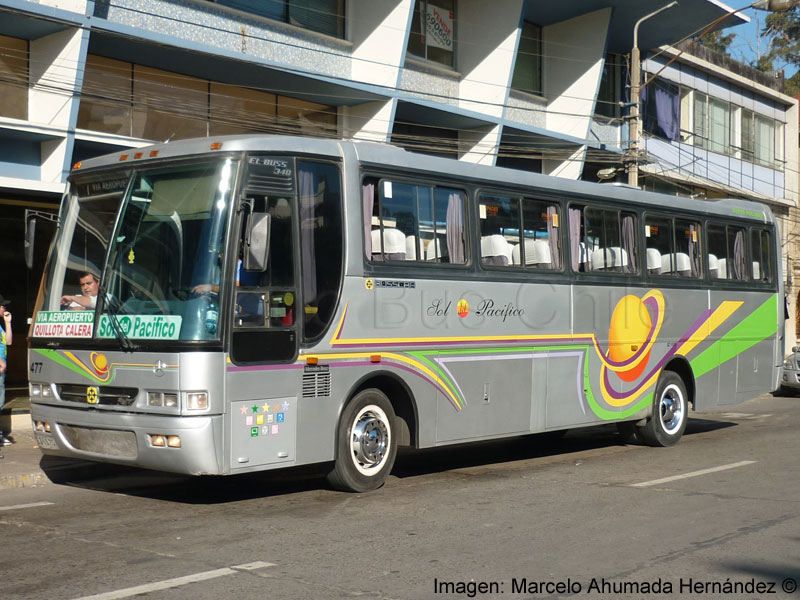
point(716, 128)
point(521, 83)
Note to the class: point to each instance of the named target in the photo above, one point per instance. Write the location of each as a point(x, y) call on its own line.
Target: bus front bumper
point(187, 445)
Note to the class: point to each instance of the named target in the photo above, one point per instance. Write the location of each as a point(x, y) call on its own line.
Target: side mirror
point(256, 243)
point(30, 237)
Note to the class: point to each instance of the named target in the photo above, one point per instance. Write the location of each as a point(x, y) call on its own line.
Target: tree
point(716, 41)
point(783, 29)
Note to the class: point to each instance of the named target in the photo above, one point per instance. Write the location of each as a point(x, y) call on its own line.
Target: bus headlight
point(35, 390)
point(47, 391)
point(197, 400)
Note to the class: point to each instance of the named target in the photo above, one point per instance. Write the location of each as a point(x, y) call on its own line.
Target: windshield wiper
point(111, 306)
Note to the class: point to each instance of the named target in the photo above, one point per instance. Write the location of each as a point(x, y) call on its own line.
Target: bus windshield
point(149, 244)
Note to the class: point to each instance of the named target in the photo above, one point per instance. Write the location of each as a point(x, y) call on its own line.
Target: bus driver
point(90, 285)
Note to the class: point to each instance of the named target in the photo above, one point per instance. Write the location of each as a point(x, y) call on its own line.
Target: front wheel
point(366, 444)
point(670, 412)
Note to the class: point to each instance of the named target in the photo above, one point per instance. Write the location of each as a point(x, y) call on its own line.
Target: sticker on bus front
point(67, 323)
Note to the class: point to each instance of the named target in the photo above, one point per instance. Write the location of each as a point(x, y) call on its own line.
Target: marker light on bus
point(216, 145)
point(41, 426)
point(197, 401)
point(161, 440)
point(166, 399)
point(77, 165)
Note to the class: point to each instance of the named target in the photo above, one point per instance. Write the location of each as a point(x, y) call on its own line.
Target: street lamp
point(636, 85)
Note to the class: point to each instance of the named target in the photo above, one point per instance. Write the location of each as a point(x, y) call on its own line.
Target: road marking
point(19, 506)
point(176, 582)
point(693, 474)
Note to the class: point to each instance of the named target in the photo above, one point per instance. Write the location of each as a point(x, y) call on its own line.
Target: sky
point(745, 46)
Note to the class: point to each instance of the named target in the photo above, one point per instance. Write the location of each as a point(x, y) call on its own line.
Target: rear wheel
point(366, 445)
point(670, 412)
point(668, 421)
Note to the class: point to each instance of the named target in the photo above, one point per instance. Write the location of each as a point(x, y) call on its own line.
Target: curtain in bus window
point(575, 238)
point(694, 255)
point(552, 236)
point(308, 198)
point(455, 228)
point(629, 243)
point(738, 256)
point(368, 202)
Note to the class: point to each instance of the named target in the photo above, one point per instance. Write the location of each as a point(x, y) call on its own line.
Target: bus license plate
point(46, 442)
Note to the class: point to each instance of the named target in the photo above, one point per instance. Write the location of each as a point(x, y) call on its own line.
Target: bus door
point(264, 320)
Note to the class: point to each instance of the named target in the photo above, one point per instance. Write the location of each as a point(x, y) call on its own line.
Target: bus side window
point(500, 227)
point(408, 222)
point(726, 248)
point(761, 251)
point(603, 240)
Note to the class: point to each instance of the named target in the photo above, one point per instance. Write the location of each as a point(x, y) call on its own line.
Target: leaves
point(783, 30)
point(716, 41)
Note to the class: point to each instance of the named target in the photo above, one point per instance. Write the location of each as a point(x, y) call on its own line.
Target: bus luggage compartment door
point(263, 432)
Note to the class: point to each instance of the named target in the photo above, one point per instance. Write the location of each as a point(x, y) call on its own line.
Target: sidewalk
point(20, 465)
point(23, 464)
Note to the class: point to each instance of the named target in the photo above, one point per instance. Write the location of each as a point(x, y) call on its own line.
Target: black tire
point(366, 443)
point(670, 412)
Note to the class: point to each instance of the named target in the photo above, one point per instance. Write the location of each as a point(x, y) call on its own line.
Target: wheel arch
point(681, 367)
point(400, 397)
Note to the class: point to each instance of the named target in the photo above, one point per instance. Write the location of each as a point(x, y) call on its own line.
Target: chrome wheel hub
point(369, 440)
point(671, 409)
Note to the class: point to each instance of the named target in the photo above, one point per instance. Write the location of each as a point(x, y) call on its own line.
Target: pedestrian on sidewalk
point(6, 337)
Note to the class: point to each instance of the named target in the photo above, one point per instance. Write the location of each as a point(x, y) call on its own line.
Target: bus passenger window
point(761, 251)
point(407, 222)
point(519, 232)
point(726, 248)
point(672, 247)
point(602, 240)
point(500, 227)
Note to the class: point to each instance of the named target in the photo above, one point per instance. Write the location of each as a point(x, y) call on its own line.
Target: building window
point(610, 93)
point(528, 66)
point(322, 16)
point(432, 31)
point(106, 96)
point(764, 141)
point(133, 100)
point(13, 77)
point(661, 107)
point(167, 105)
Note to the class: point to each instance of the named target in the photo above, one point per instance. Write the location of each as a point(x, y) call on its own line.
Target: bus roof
point(385, 155)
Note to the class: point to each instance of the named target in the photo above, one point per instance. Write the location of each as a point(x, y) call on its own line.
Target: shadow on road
point(410, 463)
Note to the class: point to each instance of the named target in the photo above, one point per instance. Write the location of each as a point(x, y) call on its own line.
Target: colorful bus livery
point(267, 302)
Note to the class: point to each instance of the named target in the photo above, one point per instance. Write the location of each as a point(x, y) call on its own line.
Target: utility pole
point(634, 126)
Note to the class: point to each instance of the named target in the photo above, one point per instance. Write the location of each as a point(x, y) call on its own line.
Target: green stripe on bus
point(756, 327)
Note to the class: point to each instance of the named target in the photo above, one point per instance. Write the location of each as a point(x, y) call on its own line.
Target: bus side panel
point(735, 363)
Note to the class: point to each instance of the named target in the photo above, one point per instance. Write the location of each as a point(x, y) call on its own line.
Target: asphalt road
point(717, 516)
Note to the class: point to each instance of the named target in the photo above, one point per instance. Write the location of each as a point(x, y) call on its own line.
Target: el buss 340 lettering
point(238, 318)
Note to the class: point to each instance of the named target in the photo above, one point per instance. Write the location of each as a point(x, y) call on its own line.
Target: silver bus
point(222, 306)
